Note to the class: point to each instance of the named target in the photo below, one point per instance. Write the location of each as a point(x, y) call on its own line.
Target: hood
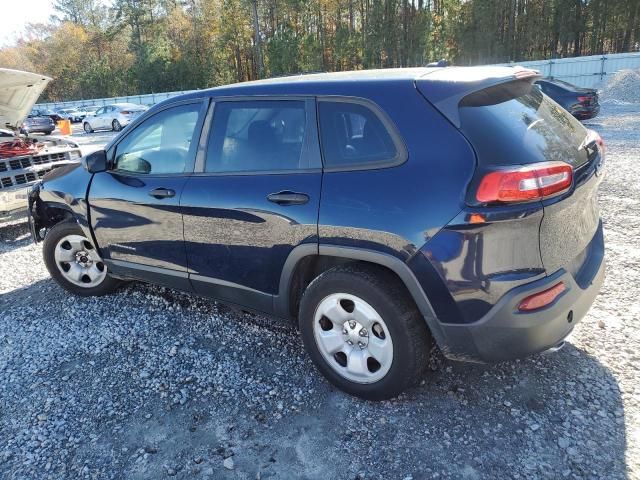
point(19, 91)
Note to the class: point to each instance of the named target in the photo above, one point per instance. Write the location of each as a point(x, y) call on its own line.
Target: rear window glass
point(515, 123)
point(353, 135)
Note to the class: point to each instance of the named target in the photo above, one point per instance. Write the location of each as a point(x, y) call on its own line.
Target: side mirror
point(95, 162)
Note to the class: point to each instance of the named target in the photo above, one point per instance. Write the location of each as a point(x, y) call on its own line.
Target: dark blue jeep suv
point(381, 210)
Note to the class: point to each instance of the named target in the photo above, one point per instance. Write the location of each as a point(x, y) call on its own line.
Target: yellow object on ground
point(65, 127)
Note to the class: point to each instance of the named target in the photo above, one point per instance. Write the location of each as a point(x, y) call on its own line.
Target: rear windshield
point(515, 123)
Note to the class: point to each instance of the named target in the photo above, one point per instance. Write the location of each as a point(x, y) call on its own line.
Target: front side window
point(257, 136)
point(352, 135)
point(161, 144)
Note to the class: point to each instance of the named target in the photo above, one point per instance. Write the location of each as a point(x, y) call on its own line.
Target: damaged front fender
point(60, 196)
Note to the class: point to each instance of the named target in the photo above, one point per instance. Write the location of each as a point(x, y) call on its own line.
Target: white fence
point(147, 99)
point(590, 71)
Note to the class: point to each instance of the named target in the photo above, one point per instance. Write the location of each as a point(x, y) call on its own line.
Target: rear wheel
point(116, 126)
point(74, 262)
point(363, 331)
point(87, 127)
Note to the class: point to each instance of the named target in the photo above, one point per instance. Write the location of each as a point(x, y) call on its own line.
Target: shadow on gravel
point(558, 416)
point(14, 235)
point(30, 296)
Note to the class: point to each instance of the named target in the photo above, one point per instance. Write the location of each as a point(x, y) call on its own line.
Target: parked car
point(582, 103)
point(380, 210)
point(72, 114)
point(25, 160)
point(37, 124)
point(43, 112)
point(89, 110)
point(113, 117)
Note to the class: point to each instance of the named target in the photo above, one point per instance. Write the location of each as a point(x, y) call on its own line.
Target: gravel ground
point(152, 383)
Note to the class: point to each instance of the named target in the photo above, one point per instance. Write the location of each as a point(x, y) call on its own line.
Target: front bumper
point(13, 203)
point(504, 333)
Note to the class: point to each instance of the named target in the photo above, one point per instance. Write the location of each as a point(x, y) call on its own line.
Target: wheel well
point(45, 217)
point(310, 267)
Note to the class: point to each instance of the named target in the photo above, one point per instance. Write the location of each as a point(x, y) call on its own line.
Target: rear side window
point(353, 135)
point(514, 123)
point(257, 136)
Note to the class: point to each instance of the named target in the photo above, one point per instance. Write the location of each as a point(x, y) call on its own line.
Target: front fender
point(61, 195)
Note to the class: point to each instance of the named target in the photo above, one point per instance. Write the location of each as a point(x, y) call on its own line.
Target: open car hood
point(19, 91)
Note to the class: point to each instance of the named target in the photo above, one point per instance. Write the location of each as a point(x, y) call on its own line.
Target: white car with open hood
point(24, 159)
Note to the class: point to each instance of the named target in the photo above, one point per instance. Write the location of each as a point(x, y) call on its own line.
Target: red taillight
point(125, 112)
point(533, 182)
point(584, 99)
point(600, 143)
point(542, 299)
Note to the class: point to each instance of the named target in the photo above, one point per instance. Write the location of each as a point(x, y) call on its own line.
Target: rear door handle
point(162, 193)
point(287, 197)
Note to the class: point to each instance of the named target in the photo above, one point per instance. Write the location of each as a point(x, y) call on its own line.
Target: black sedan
point(582, 103)
point(46, 113)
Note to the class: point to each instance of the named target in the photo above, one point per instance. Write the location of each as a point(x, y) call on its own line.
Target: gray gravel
point(153, 383)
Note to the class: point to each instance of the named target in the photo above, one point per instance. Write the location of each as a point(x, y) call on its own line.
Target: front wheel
point(74, 262)
point(87, 127)
point(363, 331)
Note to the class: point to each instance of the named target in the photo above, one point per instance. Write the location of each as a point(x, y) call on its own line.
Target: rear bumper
point(586, 112)
point(39, 129)
point(504, 333)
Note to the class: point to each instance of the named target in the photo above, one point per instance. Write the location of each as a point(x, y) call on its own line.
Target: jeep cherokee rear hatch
point(529, 149)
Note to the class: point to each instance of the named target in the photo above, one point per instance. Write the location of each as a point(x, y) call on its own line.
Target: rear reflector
point(533, 182)
point(541, 299)
point(600, 143)
point(584, 99)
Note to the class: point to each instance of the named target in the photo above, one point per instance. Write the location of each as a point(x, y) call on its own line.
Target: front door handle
point(162, 193)
point(287, 197)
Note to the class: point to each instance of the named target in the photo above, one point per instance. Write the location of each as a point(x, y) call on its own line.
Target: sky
point(15, 17)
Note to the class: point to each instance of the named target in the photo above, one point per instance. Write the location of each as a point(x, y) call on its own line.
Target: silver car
point(113, 117)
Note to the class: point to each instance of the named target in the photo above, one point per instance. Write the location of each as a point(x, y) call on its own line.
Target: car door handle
point(287, 197)
point(162, 193)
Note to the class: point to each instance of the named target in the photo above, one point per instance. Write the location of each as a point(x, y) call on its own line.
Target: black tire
point(116, 126)
point(87, 127)
point(387, 295)
point(58, 232)
point(48, 132)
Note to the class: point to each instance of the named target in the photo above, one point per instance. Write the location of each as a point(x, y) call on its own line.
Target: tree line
point(104, 48)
